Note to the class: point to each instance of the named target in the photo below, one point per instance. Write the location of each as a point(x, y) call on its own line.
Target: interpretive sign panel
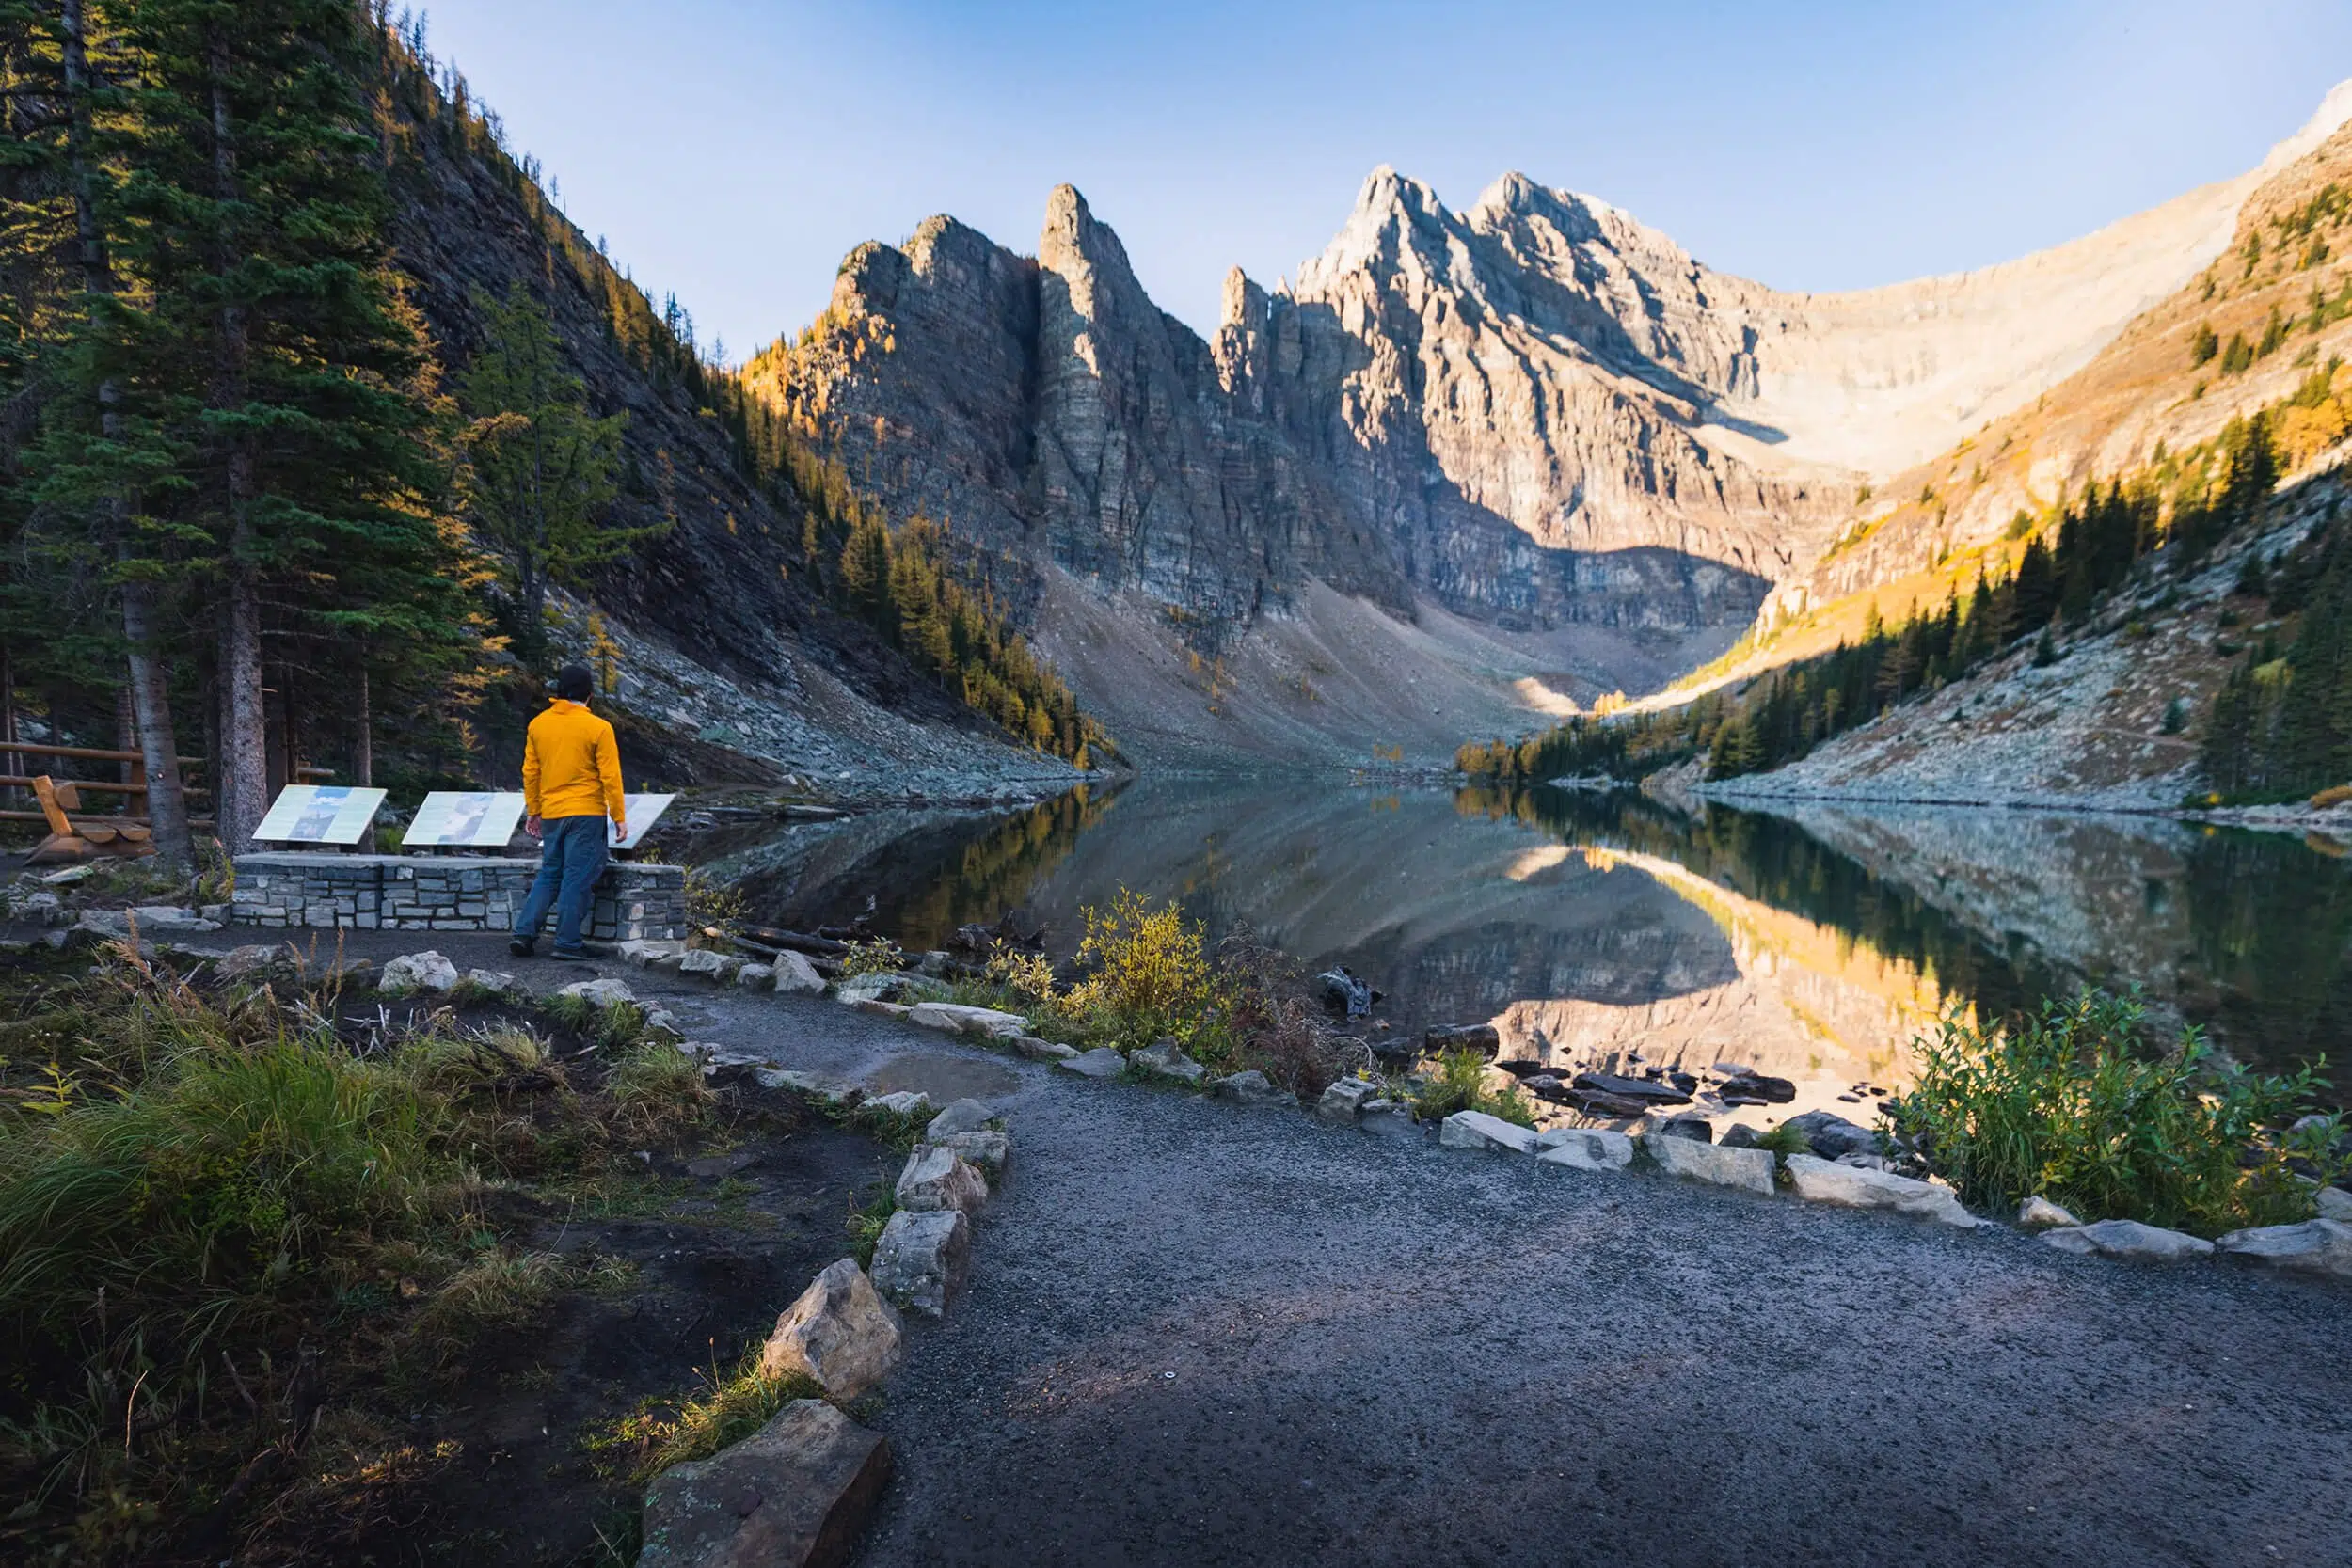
point(320, 814)
point(464, 819)
point(643, 812)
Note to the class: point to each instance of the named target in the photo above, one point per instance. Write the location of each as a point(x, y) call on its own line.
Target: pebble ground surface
point(1200, 1335)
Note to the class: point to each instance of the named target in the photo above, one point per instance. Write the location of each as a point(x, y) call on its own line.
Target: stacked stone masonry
point(425, 892)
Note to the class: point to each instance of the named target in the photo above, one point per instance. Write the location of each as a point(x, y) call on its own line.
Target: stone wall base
point(293, 889)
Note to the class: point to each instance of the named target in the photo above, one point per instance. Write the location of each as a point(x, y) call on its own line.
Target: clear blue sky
point(733, 151)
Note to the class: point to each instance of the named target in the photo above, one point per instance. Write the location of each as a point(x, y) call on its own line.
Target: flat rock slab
point(965, 1116)
point(840, 1332)
point(1164, 1059)
point(904, 1103)
point(940, 1179)
point(2322, 1246)
point(1648, 1090)
point(1342, 1103)
point(985, 1147)
point(1749, 1170)
point(796, 1494)
point(1251, 1088)
point(599, 993)
point(1477, 1129)
point(722, 967)
point(2143, 1243)
point(1584, 1148)
point(922, 1259)
point(1101, 1062)
point(1819, 1180)
point(1042, 1051)
point(956, 1018)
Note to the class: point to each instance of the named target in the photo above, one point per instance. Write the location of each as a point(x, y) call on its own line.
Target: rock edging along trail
point(1837, 1174)
point(798, 1491)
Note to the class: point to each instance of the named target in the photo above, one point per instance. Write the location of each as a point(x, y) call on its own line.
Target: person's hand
point(620, 829)
point(532, 827)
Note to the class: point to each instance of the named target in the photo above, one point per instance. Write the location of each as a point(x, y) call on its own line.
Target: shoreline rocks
point(2321, 1247)
point(1748, 1169)
point(1584, 1148)
point(1819, 1180)
point(1477, 1129)
point(2128, 1239)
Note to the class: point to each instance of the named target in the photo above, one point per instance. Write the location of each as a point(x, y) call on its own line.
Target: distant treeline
point(2175, 508)
point(928, 598)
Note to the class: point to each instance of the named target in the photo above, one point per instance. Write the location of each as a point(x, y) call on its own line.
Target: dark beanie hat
point(572, 683)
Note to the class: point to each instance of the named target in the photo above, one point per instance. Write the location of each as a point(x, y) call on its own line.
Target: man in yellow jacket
point(571, 789)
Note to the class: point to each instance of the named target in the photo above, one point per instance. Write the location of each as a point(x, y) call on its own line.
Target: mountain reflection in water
point(1812, 944)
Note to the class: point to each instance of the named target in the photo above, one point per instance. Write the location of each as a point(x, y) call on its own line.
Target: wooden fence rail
point(89, 754)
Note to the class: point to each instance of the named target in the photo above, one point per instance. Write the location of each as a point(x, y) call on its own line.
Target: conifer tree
point(273, 366)
point(541, 470)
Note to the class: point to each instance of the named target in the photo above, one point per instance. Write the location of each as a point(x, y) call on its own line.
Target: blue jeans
point(572, 852)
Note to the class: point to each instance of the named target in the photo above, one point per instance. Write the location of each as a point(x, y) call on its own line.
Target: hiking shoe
point(522, 947)
point(570, 955)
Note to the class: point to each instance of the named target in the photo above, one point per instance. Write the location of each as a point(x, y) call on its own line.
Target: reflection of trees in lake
point(930, 878)
point(1775, 862)
point(2271, 920)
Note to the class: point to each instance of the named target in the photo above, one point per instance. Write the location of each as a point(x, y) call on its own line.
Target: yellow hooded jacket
point(572, 765)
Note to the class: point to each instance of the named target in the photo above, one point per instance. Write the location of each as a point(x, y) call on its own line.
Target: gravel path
point(1199, 1335)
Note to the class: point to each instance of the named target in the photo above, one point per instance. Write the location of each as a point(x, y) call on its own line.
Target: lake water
point(1813, 946)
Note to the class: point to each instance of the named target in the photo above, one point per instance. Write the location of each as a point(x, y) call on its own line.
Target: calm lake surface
point(1813, 944)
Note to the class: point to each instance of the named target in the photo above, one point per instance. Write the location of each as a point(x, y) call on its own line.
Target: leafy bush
point(1461, 1086)
point(880, 956)
point(2075, 1105)
point(1150, 975)
point(1147, 967)
point(710, 902)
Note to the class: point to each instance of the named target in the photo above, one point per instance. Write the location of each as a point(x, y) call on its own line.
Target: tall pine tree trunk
point(364, 745)
point(244, 743)
point(244, 734)
point(159, 748)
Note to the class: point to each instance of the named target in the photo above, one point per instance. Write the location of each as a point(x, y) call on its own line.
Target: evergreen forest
point(2280, 728)
point(255, 510)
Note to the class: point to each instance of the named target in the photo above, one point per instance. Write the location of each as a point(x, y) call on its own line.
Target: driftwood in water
point(795, 942)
